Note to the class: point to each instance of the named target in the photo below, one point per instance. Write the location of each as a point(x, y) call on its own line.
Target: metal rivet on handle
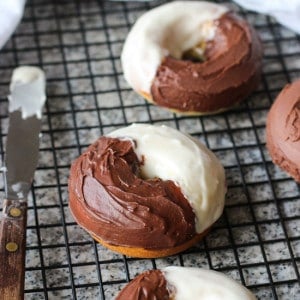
point(15, 212)
point(11, 247)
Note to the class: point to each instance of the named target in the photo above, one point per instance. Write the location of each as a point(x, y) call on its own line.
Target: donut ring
point(158, 54)
point(184, 284)
point(136, 197)
point(283, 130)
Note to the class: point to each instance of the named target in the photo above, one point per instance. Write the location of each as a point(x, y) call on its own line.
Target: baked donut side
point(154, 65)
point(117, 195)
point(283, 130)
point(184, 283)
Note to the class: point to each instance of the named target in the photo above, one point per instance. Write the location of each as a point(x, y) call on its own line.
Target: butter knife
point(26, 101)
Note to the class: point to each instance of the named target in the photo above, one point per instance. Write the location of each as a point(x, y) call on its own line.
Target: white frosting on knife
point(194, 283)
point(168, 154)
point(169, 29)
point(27, 90)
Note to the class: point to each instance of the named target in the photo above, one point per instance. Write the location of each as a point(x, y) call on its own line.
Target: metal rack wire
point(78, 44)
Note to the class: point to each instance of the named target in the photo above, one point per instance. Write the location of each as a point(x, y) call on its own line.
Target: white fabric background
point(286, 12)
point(11, 12)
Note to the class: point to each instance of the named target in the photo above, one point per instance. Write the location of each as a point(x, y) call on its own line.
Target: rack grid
point(78, 44)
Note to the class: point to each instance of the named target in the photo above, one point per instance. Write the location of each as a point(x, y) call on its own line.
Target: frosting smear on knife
point(27, 81)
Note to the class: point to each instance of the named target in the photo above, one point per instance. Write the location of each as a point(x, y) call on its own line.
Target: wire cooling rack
point(78, 44)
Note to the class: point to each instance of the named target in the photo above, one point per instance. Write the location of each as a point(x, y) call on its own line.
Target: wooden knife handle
point(12, 249)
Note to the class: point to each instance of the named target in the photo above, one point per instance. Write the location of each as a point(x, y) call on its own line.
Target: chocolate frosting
point(230, 72)
point(283, 130)
point(149, 285)
point(109, 199)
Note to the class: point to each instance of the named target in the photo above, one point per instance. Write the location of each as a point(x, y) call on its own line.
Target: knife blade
point(21, 158)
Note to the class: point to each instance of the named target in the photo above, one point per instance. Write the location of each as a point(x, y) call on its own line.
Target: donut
point(147, 191)
point(192, 57)
point(283, 130)
point(182, 283)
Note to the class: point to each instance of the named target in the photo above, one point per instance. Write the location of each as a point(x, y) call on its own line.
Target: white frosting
point(169, 29)
point(171, 155)
point(193, 283)
point(27, 91)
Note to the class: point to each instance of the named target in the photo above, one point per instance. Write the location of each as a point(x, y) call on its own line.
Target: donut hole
point(195, 54)
point(214, 43)
point(196, 42)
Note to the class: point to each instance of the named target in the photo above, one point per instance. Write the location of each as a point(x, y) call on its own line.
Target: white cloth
point(11, 12)
point(285, 12)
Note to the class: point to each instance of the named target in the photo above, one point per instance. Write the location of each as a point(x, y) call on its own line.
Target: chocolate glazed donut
point(229, 73)
point(283, 130)
point(136, 198)
point(115, 203)
point(184, 283)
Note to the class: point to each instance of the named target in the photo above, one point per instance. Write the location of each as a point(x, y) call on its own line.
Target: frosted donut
point(179, 283)
point(147, 191)
point(192, 57)
point(283, 130)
